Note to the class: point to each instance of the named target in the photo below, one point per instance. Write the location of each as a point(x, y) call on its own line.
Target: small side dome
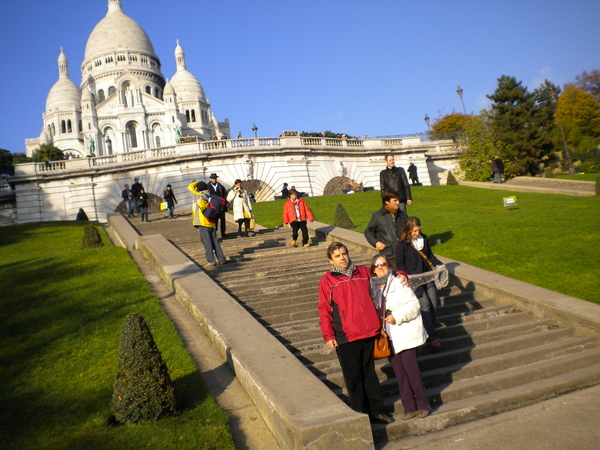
point(64, 93)
point(168, 90)
point(186, 85)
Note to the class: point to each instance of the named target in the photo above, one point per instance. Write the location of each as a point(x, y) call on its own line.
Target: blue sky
point(363, 68)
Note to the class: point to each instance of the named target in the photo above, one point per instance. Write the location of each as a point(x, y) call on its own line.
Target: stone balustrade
point(190, 147)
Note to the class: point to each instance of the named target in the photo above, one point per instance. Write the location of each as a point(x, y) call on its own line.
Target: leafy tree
point(589, 82)
point(450, 126)
point(519, 124)
point(6, 164)
point(479, 146)
point(19, 158)
point(582, 108)
point(48, 152)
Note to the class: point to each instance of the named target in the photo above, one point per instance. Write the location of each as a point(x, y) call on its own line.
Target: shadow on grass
point(440, 238)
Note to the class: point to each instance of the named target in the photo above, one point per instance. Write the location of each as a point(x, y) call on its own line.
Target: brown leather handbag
point(382, 348)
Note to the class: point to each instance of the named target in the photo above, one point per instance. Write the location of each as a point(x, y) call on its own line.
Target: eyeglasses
point(383, 264)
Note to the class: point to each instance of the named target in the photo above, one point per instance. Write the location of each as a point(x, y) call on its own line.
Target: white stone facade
point(123, 103)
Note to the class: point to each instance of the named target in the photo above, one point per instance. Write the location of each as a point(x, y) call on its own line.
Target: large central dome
point(116, 31)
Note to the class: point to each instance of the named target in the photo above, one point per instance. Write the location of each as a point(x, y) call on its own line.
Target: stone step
point(485, 405)
point(437, 365)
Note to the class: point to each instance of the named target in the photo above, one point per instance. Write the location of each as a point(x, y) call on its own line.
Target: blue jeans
point(428, 302)
point(208, 236)
point(129, 204)
point(170, 211)
point(498, 177)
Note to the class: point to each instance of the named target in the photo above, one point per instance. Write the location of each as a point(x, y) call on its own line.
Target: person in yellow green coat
point(208, 232)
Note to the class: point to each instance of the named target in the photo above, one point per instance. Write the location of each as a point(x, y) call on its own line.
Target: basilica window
point(98, 62)
point(132, 57)
point(101, 95)
point(144, 59)
point(63, 127)
point(121, 58)
point(187, 115)
point(108, 59)
point(193, 115)
point(80, 126)
point(111, 90)
point(156, 92)
point(157, 140)
point(131, 131)
point(148, 90)
point(69, 128)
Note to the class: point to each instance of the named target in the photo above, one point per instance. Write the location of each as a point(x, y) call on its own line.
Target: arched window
point(187, 115)
point(131, 131)
point(63, 127)
point(193, 115)
point(80, 126)
point(148, 90)
point(156, 92)
point(157, 140)
point(100, 95)
point(111, 90)
point(53, 129)
point(69, 128)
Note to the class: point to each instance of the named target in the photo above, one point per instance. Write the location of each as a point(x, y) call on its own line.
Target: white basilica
point(124, 103)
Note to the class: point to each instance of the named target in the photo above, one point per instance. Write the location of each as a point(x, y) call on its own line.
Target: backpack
point(216, 206)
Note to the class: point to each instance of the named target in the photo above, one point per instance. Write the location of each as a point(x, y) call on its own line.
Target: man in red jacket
point(349, 323)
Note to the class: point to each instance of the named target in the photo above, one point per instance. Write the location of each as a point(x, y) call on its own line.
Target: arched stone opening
point(154, 202)
point(336, 186)
point(261, 190)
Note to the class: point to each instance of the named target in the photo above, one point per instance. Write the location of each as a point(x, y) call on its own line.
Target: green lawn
point(579, 176)
point(61, 314)
point(548, 240)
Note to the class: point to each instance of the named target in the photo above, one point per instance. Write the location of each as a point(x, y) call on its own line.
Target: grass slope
point(61, 313)
point(548, 240)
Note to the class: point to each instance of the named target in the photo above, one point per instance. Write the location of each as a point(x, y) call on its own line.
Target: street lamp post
point(427, 122)
point(255, 129)
point(459, 91)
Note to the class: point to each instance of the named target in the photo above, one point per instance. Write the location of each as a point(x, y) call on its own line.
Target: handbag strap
point(424, 257)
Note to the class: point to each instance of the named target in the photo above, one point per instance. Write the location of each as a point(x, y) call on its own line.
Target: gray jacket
point(386, 228)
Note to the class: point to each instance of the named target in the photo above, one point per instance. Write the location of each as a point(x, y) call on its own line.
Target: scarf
point(295, 202)
point(418, 243)
point(347, 272)
point(377, 285)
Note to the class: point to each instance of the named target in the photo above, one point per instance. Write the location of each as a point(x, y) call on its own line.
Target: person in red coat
point(296, 213)
point(349, 324)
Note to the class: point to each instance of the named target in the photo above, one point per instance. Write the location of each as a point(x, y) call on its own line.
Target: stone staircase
point(496, 355)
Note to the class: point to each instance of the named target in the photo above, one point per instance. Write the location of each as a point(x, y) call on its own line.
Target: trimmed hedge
point(91, 237)
point(143, 391)
point(341, 218)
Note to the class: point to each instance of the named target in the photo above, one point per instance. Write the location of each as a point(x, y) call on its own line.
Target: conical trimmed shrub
point(91, 237)
point(143, 390)
point(341, 218)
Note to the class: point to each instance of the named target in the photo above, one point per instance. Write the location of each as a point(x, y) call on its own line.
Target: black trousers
point(358, 368)
point(221, 220)
point(302, 226)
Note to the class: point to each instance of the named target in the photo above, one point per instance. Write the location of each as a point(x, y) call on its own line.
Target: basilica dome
point(187, 87)
point(64, 94)
point(117, 31)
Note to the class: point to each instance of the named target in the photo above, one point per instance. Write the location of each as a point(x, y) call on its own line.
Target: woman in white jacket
point(242, 208)
point(405, 328)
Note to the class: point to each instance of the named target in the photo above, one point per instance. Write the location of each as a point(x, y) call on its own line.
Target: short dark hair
point(333, 247)
point(292, 191)
point(201, 186)
point(389, 194)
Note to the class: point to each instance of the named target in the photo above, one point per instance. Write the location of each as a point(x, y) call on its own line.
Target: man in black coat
point(385, 227)
point(217, 188)
point(393, 177)
point(136, 188)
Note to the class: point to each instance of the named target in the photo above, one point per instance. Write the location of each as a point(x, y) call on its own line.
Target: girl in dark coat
point(412, 256)
point(169, 197)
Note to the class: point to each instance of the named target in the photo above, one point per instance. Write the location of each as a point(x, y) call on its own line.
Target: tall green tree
point(479, 146)
point(48, 152)
point(450, 126)
point(518, 123)
point(6, 164)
